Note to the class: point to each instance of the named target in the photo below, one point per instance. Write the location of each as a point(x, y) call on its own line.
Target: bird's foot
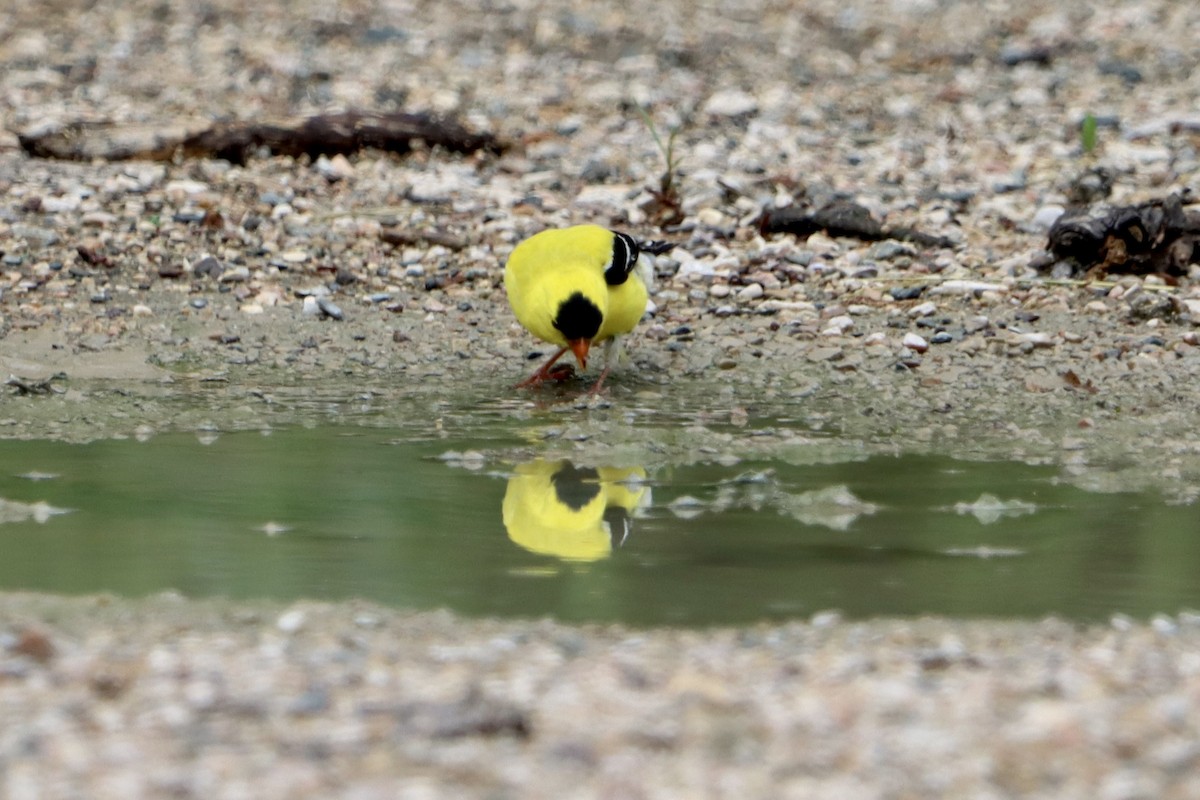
point(548, 371)
point(559, 373)
point(598, 386)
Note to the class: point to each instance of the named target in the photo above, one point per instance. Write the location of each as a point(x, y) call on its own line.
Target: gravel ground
point(166, 697)
point(174, 295)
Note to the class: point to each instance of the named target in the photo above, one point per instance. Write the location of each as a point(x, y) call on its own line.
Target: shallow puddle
point(331, 513)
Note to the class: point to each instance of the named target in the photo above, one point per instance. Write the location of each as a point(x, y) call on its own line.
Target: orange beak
point(580, 348)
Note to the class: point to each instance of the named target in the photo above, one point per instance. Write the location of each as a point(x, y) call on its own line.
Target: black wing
point(626, 250)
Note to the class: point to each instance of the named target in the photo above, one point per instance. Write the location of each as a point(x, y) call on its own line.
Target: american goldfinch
point(577, 514)
point(573, 287)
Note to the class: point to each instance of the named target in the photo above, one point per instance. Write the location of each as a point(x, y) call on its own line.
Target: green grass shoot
point(1087, 133)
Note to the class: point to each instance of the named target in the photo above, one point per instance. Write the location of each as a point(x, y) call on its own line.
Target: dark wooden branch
point(842, 219)
point(324, 134)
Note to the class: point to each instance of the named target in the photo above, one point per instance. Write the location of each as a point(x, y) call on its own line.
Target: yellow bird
point(573, 287)
point(577, 514)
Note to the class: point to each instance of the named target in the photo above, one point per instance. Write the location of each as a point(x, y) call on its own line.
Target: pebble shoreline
point(162, 696)
point(277, 290)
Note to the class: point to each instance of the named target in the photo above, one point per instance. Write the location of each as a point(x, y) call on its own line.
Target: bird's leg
point(548, 371)
point(612, 354)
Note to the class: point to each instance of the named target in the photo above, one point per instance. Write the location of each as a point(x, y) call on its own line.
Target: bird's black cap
point(575, 487)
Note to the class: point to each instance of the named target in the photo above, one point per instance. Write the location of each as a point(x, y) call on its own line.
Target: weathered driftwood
point(1158, 236)
point(324, 134)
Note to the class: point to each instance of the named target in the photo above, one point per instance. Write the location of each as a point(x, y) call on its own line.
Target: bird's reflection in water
point(574, 513)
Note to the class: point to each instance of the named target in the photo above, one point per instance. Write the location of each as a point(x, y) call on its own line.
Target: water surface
point(331, 513)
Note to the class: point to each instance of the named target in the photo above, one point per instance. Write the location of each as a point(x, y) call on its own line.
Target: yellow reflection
point(574, 513)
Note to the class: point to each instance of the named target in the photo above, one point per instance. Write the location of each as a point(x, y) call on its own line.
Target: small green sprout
point(669, 201)
point(1087, 133)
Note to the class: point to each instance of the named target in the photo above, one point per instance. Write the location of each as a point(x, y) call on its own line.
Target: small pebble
point(923, 310)
point(915, 343)
point(1036, 339)
point(731, 103)
point(890, 249)
point(236, 275)
point(838, 325)
point(656, 333)
point(751, 292)
point(906, 292)
point(208, 266)
point(865, 272)
point(329, 308)
point(336, 168)
point(291, 621)
point(180, 188)
point(1046, 216)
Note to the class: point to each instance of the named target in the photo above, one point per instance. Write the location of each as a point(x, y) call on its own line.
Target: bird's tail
point(656, 247)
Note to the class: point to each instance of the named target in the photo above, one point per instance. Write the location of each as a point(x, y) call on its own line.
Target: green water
point(334, 514)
